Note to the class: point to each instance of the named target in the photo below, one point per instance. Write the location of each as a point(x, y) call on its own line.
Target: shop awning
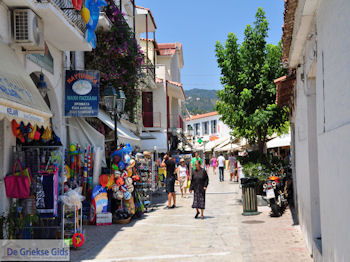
point(125, 135)
point(228, 148)
point(19, 97)
point(80, 132)
point(280, 141)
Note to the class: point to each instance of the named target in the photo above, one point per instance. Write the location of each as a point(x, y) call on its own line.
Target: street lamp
point(114, 100)
point(42, 86)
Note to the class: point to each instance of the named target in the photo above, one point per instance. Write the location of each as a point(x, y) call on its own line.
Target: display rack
point(145, 185)
point(38, 159)
point(72, 222)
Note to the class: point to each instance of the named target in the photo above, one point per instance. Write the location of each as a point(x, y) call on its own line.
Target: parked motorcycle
point(278, 191)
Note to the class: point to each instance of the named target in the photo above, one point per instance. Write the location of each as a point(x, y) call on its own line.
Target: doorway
point(147, 109)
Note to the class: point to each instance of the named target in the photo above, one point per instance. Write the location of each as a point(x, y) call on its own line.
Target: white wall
point(7, 141)
point(333, 133)
point(55, 83)
point(159, 103)
point(5, 35)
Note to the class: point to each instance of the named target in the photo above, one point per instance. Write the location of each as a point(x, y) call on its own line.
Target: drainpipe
point(154, 55)
point(147, 38)
point(167, 113)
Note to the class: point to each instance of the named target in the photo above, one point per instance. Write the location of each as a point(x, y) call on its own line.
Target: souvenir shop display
point(144, 185)
point(33, 185)
point(73, 217)
point(115, 198)
point(78, 172)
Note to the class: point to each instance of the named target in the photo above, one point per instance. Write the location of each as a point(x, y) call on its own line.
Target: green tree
point(247, 102)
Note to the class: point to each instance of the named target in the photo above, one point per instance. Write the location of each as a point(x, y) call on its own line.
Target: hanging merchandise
point(94, 7)
point(17, 184)
point(77, 4)
point(85, 14)
point(34, 183)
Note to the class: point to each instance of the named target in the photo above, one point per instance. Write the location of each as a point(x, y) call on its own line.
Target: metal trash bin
point(250, 200)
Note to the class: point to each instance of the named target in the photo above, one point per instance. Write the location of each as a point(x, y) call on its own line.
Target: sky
point(198, 24)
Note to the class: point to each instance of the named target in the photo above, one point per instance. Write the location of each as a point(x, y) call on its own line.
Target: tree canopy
point(247, 102)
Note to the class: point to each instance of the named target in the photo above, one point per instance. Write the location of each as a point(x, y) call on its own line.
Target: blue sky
point(198, 24)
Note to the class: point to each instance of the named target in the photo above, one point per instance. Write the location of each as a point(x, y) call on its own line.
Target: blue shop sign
point(82, 93)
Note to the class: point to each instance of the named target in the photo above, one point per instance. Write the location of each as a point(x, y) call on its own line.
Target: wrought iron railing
point(71, 14)
point(149, 68)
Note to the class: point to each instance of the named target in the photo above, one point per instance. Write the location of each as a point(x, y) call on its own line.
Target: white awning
point(19, 97)
point(80, 132)
point(212, 144)
point(228, 148)
point(125, 135)
point(280, 141)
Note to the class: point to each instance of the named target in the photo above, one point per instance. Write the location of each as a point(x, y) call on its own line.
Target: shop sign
point(15, 113)
point(13, 90)
point(82, 93)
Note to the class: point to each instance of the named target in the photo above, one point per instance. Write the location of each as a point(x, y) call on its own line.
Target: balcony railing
point(175, 121)
point(148, 68)
point(152, 119)
point(72, 15)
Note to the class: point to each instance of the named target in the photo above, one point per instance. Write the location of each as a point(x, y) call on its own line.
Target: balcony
point(148, 71)
point(175, 121)
point(63, 25)
point(152, 119)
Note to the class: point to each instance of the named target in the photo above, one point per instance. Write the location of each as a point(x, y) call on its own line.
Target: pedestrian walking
point(221, 163)
point(207, 163)
point(195, 157)
point(170, 165)
point(183, 176)
point(232, 164)
point(199, 184)
point(214, 164)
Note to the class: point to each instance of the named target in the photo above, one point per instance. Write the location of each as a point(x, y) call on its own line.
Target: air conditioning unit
point(28, 30)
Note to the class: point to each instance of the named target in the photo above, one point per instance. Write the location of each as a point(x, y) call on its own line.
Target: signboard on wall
point(82, 93)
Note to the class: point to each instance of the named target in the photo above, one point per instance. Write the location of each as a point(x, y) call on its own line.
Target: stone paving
point(174, 235)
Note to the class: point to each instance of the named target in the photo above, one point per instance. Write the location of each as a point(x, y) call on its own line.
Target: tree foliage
point(247, 102)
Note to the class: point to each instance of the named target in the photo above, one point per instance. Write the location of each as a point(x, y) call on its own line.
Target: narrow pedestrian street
point(174, 235)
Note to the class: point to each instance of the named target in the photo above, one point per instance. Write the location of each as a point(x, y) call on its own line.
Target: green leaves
point(247, 102)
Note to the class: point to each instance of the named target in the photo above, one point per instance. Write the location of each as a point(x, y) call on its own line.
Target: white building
point(208, 127)
point(316, 44)
point(162, 105)
point(51, 32)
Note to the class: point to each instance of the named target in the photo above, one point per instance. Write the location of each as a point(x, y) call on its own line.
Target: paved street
point(174, 235)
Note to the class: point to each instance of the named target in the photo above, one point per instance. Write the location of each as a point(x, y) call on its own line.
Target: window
point(196, 129)
point(189, 127)
point(214, 127)
point(205, 128)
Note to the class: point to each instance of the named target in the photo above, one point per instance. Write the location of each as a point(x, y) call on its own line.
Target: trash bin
point(250, 201)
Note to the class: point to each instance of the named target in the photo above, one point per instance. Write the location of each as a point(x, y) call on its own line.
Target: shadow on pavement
point(97, 237)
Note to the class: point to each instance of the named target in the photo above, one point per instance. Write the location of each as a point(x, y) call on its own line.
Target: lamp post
point(114, 100)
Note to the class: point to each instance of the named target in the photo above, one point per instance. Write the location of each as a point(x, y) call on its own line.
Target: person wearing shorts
point(169, 164)
point(182, 176)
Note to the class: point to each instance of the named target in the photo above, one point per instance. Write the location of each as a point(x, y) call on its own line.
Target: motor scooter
point(276, 190)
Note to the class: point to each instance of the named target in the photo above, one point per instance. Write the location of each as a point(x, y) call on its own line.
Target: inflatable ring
point(78, 240)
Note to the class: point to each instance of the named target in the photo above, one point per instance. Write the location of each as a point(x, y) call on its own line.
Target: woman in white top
point(182, 176)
